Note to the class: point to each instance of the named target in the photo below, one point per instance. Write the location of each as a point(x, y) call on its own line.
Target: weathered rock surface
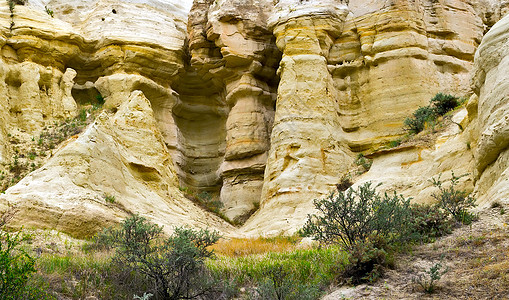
point(409, 169)
point(490, 82)
point(121, 156)
point(307, 147)
point(393, 56)
point(240, 57)
point(255, 102)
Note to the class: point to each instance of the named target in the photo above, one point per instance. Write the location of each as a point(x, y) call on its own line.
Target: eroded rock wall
point(490, 82)
point(119, 165)
point(233, 47)
point(130, 52)
point(393, 56)
point(258, 103)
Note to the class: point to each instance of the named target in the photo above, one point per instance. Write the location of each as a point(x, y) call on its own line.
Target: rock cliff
point(260, 105)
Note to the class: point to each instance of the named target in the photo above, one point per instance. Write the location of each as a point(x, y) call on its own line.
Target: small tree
point(356, 215)
point(176, 264)
point(366, 223)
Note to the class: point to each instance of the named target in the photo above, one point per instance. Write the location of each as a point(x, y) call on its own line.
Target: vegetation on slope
point(32, 153)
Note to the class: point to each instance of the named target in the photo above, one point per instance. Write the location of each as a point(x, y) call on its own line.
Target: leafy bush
point(356, 215)
point(420, 117)
point(443, 103)
point(176, 264)
point(440, 104)
point(454, 202)
point(428, 223)
point(364, 162)
point(366, 263)
point(16, 266)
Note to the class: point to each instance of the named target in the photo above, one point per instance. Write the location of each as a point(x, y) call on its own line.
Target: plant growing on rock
point(418, 121)
point(440, 104)
point(364, 162)
point(443, 103)
point(48, 11)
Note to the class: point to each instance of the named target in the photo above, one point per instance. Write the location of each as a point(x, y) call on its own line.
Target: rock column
point(307, 153)
point(247, 142)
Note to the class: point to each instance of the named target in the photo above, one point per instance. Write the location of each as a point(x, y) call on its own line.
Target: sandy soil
point(476, 258)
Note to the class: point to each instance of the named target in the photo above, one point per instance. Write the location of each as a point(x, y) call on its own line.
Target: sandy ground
point(476, 258)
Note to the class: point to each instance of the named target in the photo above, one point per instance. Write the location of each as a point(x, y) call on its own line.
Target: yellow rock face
point(490, 82)
point(393, 58)
point(253, 102)
point(121, 156)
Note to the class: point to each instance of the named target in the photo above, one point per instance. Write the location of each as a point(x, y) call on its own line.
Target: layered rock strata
point(394, 56)
point(490, 82)
point(308, 150)
point(125, 51)
point(119, 165)
point(203, 114)
point(243, 66)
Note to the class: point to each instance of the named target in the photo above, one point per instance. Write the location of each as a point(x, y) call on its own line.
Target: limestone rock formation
point(119, 165)
point(259, 104)
point(490, 82)
point(307, 147)
point(240, 58)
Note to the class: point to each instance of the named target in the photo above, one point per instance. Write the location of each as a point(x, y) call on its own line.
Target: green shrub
point(83, 115)
point(355, 215)
point(394, 143)
point(176, 264)
point(455, 202)
point(16, 266)
point(443, 103)
point(366, 263)
point(421, 116)
point(48, 11)
point(100, 99)
point(428, 222)
point(440, 104)
point(364, 162)
point(109, 198)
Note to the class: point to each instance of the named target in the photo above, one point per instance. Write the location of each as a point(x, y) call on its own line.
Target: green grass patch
point(316, 266)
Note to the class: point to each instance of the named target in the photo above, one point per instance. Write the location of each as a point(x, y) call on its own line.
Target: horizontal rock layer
point(253, 103)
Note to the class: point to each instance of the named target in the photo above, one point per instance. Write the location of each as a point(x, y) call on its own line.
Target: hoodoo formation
point(252, 107)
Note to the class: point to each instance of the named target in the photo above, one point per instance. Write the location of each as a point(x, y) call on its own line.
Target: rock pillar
point(307, 152)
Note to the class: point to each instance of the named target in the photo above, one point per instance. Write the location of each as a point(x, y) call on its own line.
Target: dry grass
point(244, 247)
